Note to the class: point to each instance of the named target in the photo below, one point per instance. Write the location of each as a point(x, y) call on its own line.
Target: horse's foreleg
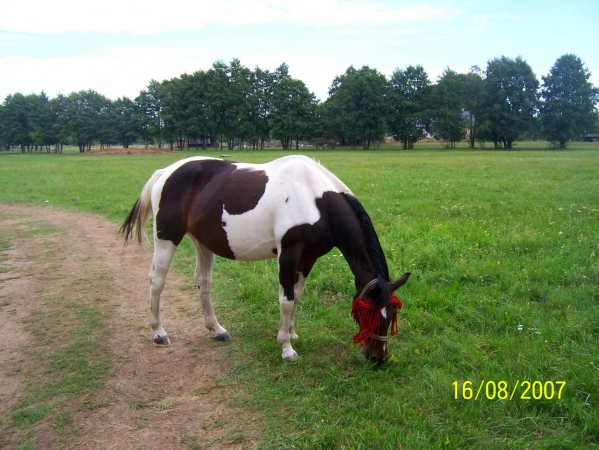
point(284, 336)
point(163, 254)
point(288, 282)
point(203, 277)
point(298, 289)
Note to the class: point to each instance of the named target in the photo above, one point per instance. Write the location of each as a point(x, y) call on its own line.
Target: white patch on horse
point(289, 200)
point(384, 312)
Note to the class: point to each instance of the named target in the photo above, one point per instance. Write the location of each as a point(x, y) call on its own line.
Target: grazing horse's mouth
point(373, 359)
point(374, 321)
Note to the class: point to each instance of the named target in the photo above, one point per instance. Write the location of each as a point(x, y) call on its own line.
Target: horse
point(292, 209)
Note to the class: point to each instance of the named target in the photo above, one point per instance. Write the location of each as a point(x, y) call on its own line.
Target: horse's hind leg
point(163, 254)
point(203, 277)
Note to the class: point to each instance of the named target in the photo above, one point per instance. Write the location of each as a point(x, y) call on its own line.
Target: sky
point(116, 47)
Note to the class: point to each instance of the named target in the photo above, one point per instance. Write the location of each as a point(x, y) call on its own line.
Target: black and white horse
point(291, 208)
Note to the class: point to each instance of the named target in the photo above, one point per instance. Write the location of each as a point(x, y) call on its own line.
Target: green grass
point(503, 247)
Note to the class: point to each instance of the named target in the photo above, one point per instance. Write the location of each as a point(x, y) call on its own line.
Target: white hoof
point(290, 357)
point(293, 336)
point(162, 341)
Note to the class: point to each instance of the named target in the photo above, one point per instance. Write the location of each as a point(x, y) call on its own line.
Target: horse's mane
point(374, 249)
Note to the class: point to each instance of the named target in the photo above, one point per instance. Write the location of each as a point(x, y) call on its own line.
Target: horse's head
point(374, 321)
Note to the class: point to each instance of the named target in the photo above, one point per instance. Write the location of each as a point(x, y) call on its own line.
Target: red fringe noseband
point(369, 319)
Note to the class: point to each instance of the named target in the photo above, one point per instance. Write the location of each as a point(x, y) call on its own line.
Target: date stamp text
point(503, 390)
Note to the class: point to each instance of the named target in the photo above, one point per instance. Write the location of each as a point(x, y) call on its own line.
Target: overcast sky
point(116, 47)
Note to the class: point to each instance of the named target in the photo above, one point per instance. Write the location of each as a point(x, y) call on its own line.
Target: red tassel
point(369, 319)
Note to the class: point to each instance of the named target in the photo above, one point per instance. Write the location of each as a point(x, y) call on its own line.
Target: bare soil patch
point(158, 398)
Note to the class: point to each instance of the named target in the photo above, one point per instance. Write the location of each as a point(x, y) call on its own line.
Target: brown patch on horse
point(242, 191)
point(194, 196)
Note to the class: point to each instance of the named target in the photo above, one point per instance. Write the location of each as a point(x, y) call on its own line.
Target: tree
point(85, 111)
point(59, 131)
point(3, 142)
point(40, 120)
point(260, 100)
point(293, 111)
point(229, 98)
point(446, 118)
point(155, 107)
point(407, 105)
point(17, 119)
point(510, 100)
point(148, 109)
point(359, 105)
point(569, 108)
point(126, 121)
point(472, 94)
point(167, 93)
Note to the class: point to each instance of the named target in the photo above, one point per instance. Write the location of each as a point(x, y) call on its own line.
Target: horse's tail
point(139, 214)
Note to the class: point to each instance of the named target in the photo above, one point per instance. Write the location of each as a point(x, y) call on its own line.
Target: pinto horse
point(291, 208)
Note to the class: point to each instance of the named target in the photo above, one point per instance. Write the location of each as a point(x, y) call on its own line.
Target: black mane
point(374, 249)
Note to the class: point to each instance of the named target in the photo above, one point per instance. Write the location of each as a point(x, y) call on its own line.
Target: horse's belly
point(250, 239)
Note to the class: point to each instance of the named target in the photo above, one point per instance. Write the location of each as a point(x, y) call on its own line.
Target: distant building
point(591, 137)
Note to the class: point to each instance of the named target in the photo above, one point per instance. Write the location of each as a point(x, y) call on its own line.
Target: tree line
point(232, 105)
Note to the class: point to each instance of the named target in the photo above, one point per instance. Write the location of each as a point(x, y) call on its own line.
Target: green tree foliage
point(472, 94)
point(58, 129)
point(3, 142)
point(40, 120)
point(148, 110)
point(262, 83)
point(87, 118)
point(232, 104)
point(228, 94)
point(293, 111)
point(407, 115)
point(359, 105)
point(510, 100)
point(569, 108)
point(126, 121)
point(28, 122)
point(167, 92)
point(446, 105)
point(17, 119)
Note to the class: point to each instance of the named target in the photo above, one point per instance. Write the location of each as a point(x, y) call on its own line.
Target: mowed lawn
point(502, 309)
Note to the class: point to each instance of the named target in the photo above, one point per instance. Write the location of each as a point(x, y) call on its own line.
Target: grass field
point(503, 248)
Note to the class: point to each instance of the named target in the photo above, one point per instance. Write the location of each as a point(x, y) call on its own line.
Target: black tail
point(129, 224)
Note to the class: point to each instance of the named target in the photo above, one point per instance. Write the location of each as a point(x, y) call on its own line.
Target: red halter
point(370, 320)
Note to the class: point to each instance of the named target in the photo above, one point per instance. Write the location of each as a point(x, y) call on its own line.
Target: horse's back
point(238, 210)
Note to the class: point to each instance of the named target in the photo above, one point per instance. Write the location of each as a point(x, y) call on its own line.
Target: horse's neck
point(350, 241)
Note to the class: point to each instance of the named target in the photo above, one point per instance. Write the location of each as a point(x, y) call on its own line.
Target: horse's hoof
point(162, 340)
point(292, 357)
point(293, 336)
point(223, 337)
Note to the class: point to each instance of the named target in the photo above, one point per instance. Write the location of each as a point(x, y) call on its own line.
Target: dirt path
point(158, 398)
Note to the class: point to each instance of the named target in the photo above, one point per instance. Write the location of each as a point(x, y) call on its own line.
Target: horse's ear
point(399, 282)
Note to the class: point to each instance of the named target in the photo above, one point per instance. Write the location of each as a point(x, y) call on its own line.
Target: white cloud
point(125, 72)
point(152, 16)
